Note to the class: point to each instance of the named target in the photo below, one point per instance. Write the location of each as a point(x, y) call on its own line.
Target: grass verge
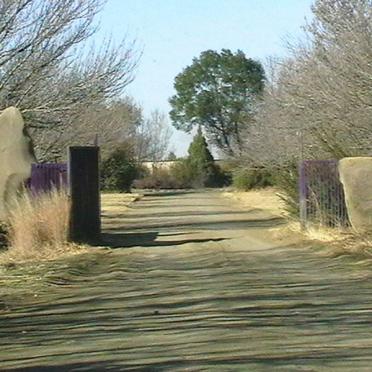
point(336, 241)
point(117, 202)
point(38, 228)
point(267, 199)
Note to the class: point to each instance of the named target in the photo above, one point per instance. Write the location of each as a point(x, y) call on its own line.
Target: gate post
point(85, 215)
point(303, 194)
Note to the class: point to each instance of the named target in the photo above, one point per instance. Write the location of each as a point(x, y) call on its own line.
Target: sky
point(171, 33)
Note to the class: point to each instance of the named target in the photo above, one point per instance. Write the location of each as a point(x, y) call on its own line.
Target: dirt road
point(193, 282)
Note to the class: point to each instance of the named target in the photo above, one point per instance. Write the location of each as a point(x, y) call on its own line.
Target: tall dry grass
point(38, 227)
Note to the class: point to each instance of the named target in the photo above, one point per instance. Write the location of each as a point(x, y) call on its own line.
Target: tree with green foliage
point(218, 91)
point(118, 170)
point(199, 166)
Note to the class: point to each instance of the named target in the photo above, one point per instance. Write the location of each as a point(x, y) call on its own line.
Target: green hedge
point(118, 171)
point(245, 179)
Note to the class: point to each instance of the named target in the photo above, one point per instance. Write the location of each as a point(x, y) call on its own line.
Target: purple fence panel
point(303, 194)
point(322, 198)
point(45, 177)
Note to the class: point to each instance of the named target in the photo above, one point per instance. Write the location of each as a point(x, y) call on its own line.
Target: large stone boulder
point(356, 177)
point(16, 156)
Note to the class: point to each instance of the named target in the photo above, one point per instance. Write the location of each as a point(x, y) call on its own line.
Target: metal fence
point(47, 176)
point(322, 199)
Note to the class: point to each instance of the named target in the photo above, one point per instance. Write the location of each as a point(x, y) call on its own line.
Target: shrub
point(220, 177)
point(118, 171)
point(158, 179)
point(199, 168)
point(182, 173)
point(250, 178)
point(225, 172)
point(286, 179)
point(38, 227)
point(3, 235)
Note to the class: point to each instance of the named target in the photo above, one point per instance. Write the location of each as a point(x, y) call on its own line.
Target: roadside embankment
point(335, 241)
point(269, 200)
point(37, 228)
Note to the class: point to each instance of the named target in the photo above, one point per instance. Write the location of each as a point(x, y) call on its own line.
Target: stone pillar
point(356, 178)
point(16, 157)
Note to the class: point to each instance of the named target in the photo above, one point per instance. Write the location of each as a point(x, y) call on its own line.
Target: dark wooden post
point(83, 170)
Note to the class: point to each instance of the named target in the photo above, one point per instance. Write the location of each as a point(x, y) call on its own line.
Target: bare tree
point(110, 124)
point(47, 69)
point(153, 136)
point(318, 105)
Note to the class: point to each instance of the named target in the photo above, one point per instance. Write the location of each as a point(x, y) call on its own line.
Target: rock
point(16, 156)
point(356, 177)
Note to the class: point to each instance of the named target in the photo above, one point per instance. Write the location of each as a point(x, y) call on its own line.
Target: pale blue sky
point(172, 32)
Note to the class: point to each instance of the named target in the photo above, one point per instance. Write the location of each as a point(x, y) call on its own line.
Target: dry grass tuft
point(327, 234)
point(351, 244)
point(266, 199)
point(118, 202)
point(38, 228)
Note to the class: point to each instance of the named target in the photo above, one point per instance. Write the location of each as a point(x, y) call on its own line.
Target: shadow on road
point(149, 222)
point(202, 225)
point(132, 216)
point(147, 239)
point(87, 366)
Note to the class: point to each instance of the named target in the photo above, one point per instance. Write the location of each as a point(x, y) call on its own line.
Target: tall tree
point(218, 92)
